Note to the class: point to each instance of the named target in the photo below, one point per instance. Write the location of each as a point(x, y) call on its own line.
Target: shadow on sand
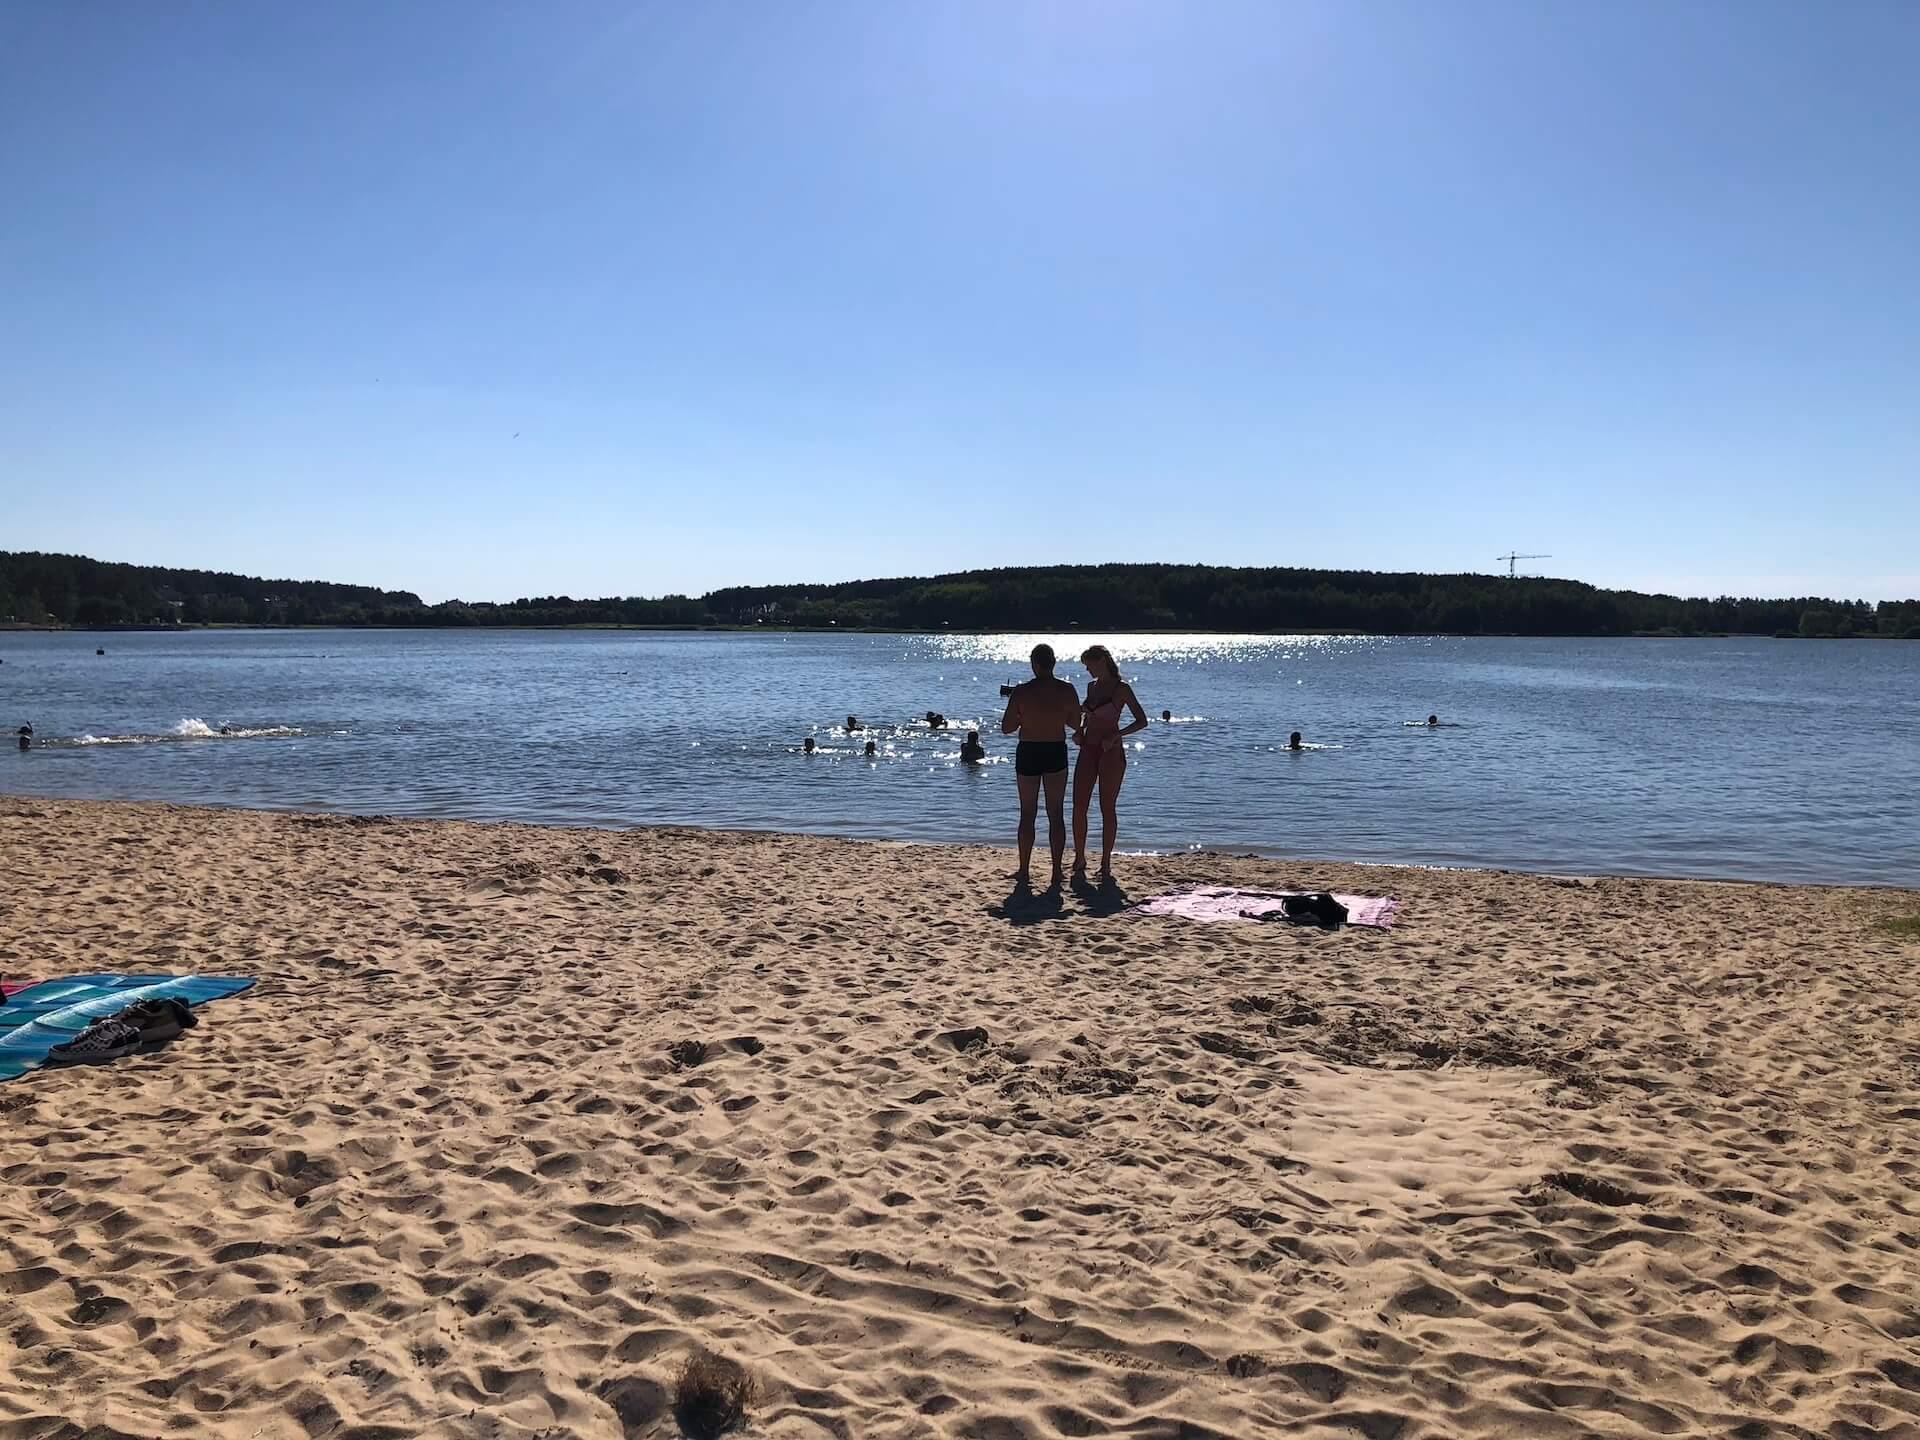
point(1100, 899)
point(1026, 906)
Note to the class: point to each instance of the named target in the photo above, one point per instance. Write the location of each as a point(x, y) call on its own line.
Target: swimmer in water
point(806, 747)
point(1433, 722)
point(872, 749)
point(853, 723)
point(26, 737)
point(935, 720)
point(1167, 716)
point(1293, 741)
point(972, 752)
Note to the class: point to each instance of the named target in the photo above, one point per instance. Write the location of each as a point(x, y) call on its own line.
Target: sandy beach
point(1554, 1157)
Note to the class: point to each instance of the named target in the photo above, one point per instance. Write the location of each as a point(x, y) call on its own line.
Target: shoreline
point(517, 1118)
point(1256, 855)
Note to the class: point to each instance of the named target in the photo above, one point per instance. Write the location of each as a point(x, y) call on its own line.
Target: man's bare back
point(1043, 709)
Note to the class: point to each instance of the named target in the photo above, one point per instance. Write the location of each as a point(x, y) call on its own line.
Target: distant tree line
point(69, 590)
point(1205, 597)
point(40, 589)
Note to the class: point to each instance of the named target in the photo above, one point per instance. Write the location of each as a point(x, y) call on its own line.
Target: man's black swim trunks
point(1039, 757)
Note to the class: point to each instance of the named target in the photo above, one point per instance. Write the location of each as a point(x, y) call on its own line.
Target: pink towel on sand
point(14, 987)
point(1221, 902)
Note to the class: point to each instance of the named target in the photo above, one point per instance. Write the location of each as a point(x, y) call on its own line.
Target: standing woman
point(1103, 755)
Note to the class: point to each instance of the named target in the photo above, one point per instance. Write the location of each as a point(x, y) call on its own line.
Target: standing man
point(1041, 712)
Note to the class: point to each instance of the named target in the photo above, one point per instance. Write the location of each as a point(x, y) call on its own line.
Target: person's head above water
point(871, 747)
point(1099, 661)
point(1293, 741)
point(1433, 719)
point(1042, 659)
point(853, 722)
point(807, 745)
point(1167, 715)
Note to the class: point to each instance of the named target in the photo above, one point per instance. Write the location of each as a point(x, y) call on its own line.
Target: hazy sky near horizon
point(490, 299)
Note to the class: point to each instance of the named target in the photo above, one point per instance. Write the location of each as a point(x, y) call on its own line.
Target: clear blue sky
point(813, 291)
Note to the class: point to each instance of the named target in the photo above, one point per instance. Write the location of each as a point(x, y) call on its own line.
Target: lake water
point(1782, 760)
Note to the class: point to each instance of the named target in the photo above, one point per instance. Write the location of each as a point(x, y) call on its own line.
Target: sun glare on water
point(1141, 648)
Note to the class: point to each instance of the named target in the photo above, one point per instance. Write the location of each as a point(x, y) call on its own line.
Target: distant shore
point(892, 630)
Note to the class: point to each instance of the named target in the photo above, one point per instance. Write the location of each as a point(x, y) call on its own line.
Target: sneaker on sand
point(100, 1042)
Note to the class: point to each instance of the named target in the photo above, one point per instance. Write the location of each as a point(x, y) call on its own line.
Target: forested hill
point(40, 589)
point(1209, 597)
point(64, 589)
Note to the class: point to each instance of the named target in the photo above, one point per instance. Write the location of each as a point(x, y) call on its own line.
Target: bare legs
point(1029, 807)
point(1055, 786)
point(1083, 776)
point(1108, 770)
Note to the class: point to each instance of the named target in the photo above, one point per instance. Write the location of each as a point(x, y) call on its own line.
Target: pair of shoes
point(158, 1020)
point(100, 1042)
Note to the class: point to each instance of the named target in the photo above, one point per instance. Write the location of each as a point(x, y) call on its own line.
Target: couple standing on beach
point(1042, 711)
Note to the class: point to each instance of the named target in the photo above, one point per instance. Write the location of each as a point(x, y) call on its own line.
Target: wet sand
point(518, 1118)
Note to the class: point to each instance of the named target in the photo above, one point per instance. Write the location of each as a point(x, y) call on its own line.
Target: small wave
point(200, 730)
point(192, 729)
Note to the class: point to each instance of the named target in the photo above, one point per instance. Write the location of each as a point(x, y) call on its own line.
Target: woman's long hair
point(1105, 657)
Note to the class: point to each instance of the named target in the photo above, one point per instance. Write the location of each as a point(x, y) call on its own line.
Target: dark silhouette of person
point(806, 747)
point(1167, 715)
point(1103, 755)
point(1041, 711)
point(853, 723)
point(871, 749)
point(972, 752)
point(1433, 722)
point(1293, 741)
point(26, 737)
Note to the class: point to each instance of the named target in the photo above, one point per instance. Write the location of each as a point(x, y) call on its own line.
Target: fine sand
point(1554, 1158)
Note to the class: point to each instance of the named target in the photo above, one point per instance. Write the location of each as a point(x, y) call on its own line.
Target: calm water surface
point(1789, 760)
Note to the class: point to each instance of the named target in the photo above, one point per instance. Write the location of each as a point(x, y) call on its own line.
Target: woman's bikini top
point(1106, 730)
